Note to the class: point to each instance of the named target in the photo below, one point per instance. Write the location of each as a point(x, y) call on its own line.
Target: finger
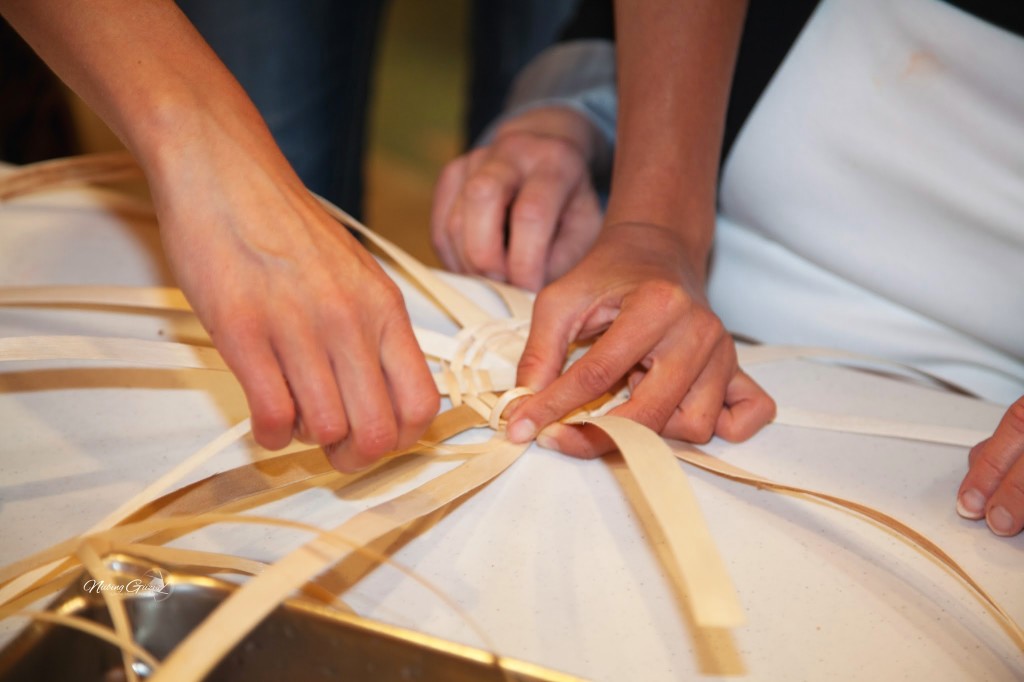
point(1005, 511)
point(250, 357)
point(992, 460)
point(446, 192)
point(686, 381)
point(694, 416)
point(534, 217)
point(311, 379)
point(631, 337)
point(577, 231)
point(551, 331)
point(977, 451)
point(748, 408)
point(374, 428)
point(410, 384)
point(485, 201)
point(582, 442)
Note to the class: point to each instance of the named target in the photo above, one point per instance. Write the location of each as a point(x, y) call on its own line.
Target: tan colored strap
point(44, 175)
point(236, 616)
point(667, 492)
point(664, 488)
point(692, 455)
point(93, 628)
point(128, 351)
point(158, 298)
point(874, 426)
point(519, 302)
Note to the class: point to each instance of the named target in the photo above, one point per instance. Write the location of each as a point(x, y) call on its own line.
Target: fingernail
point(496, 276)
point(547, 442)
point(971, 504)
point(1000, 521)
point(522, 431)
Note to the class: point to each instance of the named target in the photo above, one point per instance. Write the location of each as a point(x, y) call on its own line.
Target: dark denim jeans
point(308, 64)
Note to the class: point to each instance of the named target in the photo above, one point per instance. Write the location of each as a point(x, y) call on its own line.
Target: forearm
point(675, 63)
point(144, 69)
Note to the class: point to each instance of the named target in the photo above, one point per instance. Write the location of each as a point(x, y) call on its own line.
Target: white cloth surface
point(549, 559)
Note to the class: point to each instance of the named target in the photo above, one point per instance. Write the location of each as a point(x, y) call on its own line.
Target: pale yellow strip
point(44, 175)
point(874, 426)
point(506, 399)
point(518, 301)
point(667, 491)
point(114, 599)
point(157, 298)
point(236, 616)
point(462, 309)
point(127, 351)
point(96, 630)
point(27, 578)
point(194, 557)
point(692, 455)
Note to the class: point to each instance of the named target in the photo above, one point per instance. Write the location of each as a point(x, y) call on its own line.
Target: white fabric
point(875, 198)
point(550, 559)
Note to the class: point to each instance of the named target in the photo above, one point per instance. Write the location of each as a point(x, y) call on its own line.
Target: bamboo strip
point(667, 492)
point(874, 426)
point(234, 618)
point(51, 174)
point(518, 302)
point(114, 601)
point(156, 298)
point(95, 629)
point(692, 455)
point(652, 478)
point(125, 351)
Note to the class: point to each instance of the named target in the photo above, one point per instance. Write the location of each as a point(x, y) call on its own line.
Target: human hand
point(994, 486)
point(657, 333)
point(315, 331)
point(534, 175)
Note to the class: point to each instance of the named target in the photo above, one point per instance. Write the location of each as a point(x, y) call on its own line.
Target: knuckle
point(340, 316)
point(482, 257)
point(375, 438)
point(483, 187)
point(653, 416)
point(593, 375)
point(272, 424)
point(769, 409)
point(531, 362)
point(531, 212)
point(277, 415)
point(699, 428)
point(987, 469)
point(391, 296)
point(452, 172)
point(1013, 489)
point(710, 327)
point(561, 153)
point(420, 411)
point(670, 299)
point(327, 431)
point(237, 329)
point(1014, 419)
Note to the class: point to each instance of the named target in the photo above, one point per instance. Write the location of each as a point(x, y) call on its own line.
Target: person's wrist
point(557, 122)
point(684, 250)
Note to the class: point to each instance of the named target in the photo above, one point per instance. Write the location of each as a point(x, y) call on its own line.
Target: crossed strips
point(477, 373)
